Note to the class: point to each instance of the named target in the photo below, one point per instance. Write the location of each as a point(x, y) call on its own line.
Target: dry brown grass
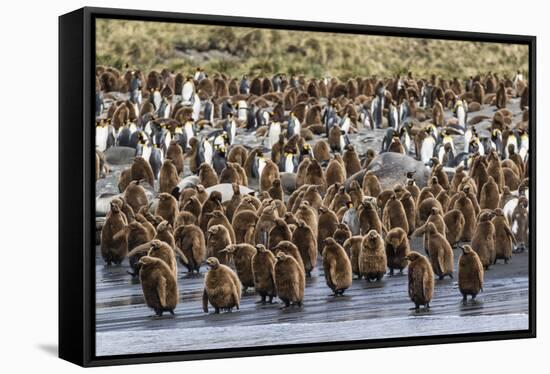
point(236, 51)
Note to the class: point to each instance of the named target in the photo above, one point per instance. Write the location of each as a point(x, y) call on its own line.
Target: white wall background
point(28, 183)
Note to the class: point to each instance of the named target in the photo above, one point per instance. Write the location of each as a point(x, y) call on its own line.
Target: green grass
point(237, 50)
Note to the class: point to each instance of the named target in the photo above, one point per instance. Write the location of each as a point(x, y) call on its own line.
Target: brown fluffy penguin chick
point(114, 247)
point(306, 242)
point(342, 233)
point(329, 195)
point(241, 256)
point(335, 173)
point(217, 239)
point(213, 203)
point(437, 219)
point(276, 190)
point(167, 208)
point(421, 280)
point(244, 225)
point(489, 197)
point(161, 250)
point(175, 153)
point(168, 178)
point(135, 255)
point(327, 225)
point(352, 246)
point(232, 204)
point(409, 205)
point(207, 175)
point(321, 151)
point(141, 169)
point(222, 288)
point(278, 233)
point(454, 221)
point(290, 249)
point(371, 184)
point(190, 240)
point(290, 280)
point(230, 174)
point(147, 225)
point(315, 175)
point(413, 189)
point(164, 233)
point(372, 258)
point(440, 251)
point(301, 172)
point(394, 215)
point(135, 196)
point(337, 267)
point(483, 241)
point(159, 285)
point(464, 205)
point(136, 234)
point(305, 212)
point(470, 273)
point(265, 223)
point(270, 173)
point(313, 197)
point(263, 269)
point(504, 238)
point(369, 218)
point(397, 247)
point(356, 193)
point(351, 161)
point(124, 179)
point(218, 218)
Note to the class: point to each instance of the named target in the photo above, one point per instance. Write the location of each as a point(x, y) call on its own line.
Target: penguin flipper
point(161, 291)
point(205, 301)
point(329, 274)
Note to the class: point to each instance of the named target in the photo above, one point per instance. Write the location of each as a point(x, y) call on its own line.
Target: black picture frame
point(76, 187)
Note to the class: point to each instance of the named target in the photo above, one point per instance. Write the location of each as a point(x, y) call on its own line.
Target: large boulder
point(226, 190)
point(391, 168)
point(120, 155)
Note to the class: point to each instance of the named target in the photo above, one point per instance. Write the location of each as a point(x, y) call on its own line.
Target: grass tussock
point(238, 50)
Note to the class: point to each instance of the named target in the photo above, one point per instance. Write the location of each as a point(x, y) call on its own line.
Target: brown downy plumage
point(163, 251)
point(421, 280)
point(372, 258)
point(241, 255)
point(483, 241)
point(159, 285)
point(114, 247)
point(397, 247)
point(504, 238)
point(289, 280)
point(394, 215)
point(168, 178)
point(454, 221)
point(337, 267)
point(263, 269)
point(135, 196)
point(167, 207)
point(470, 273)
point(190, 241)
point(464, 205)
point(279, 232)
point(217, 239)
point(440, 252)
point(306, 242)
point(222, 288)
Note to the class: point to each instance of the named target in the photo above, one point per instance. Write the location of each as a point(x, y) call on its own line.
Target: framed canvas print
point(235, 186)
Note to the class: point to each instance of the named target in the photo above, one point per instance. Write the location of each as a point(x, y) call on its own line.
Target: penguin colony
point(312, 204)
